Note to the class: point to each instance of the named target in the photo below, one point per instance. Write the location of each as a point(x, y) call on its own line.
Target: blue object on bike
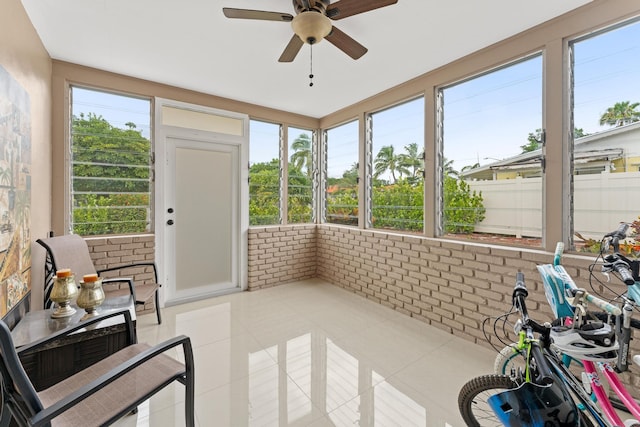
point(633, 292)
point(532, 405)
point(556, 281)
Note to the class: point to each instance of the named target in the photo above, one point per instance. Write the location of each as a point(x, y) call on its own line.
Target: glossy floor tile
point(311, 354)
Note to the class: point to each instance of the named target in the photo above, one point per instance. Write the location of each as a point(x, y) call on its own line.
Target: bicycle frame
point(615, 384)
point(524, 345)
point(556, 286)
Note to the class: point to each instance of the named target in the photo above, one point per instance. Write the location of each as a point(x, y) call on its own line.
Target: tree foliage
point(535, 139)
point(300, 184)
point(463, 208)
point(264, 193)
point(111, 171)
point(621, 113)
point(302, 156)
point(396, 206)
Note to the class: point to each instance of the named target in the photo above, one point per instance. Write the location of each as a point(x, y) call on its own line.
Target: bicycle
point(572, 315)
point(627, 270)
point(542, 393)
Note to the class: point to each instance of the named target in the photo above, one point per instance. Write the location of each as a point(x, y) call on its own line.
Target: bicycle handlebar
point(619, 265)
point(557, 256)
point(598, 302)
point(622, 268)
point(615, 236)
point(519, 296)
point(620, 232)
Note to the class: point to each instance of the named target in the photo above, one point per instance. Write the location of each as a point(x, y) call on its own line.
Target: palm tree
point(447, 168)
point(386, 160)
point(350, 176)
point(622, 113)
point(302, 155)
point(413, 161)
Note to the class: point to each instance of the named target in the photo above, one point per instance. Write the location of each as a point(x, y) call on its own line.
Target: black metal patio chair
point(71, 251)
point(100, 394)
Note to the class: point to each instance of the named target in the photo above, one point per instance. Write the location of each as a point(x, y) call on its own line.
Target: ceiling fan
point(312, 23)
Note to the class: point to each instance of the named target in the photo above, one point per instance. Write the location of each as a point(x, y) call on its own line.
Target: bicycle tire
point(473, 406)
point(508, 361)
point(472, 399)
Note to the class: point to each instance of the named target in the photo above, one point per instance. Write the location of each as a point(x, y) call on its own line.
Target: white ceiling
point(190, 44)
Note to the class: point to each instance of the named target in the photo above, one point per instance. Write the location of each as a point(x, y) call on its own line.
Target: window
point(265, 173)
point(300, 176)
point(606, 137)
point(110, 163)
point(492, 146)
point(396, 177)
point(341, 162)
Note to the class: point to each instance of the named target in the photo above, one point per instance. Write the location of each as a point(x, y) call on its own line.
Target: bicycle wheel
point(476, 412)
point(472, 399)
point(509, 361)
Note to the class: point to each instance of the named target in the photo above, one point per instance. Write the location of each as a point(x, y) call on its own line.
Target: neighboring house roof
point(588, 149)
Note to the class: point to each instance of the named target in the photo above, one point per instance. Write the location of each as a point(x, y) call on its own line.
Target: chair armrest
point(136, 264)
point(82, 393)
point(131, 331)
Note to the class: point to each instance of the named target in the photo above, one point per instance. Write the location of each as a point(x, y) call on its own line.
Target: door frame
point(162, 133)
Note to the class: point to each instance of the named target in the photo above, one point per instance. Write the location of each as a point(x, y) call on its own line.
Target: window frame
point(440, 231)
point(569, 50)
point(68, 175)
point(324, 172)
point(370, 159)
point(314, 172)
point(282, 187)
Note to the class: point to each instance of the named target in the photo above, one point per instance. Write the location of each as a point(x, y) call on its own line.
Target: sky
point(486, 118)
point(117, 109)
point(490, 117)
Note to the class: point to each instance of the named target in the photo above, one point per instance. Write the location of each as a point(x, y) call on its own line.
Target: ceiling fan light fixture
point(311, 26)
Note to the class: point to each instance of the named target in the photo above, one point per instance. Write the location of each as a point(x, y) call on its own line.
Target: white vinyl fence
point(601, 202)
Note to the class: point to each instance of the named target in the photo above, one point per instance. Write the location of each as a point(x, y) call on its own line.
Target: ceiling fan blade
point(346, 43)
point(344, 8)
point(230, 12)
point(292, 49)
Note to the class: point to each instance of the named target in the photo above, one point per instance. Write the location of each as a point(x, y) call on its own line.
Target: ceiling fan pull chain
point(311, 65)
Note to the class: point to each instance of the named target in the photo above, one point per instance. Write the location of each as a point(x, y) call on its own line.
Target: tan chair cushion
point(98, 408)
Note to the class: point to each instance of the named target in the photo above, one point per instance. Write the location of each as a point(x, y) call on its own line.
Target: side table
point(63, 358)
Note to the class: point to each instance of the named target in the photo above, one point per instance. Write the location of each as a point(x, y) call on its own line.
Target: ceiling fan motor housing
point(305, 5)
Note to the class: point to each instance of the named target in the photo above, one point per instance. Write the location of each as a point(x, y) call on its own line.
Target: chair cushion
point(117, 396)
point(145, 291)
point(70, 251)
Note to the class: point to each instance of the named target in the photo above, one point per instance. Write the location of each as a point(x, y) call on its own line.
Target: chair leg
point(189, 404)
point(158, 308)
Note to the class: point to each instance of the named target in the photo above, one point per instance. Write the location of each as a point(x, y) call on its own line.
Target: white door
point(202, 200)
point(201, 218)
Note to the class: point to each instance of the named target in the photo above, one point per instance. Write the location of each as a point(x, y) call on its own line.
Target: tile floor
point(311, 354)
